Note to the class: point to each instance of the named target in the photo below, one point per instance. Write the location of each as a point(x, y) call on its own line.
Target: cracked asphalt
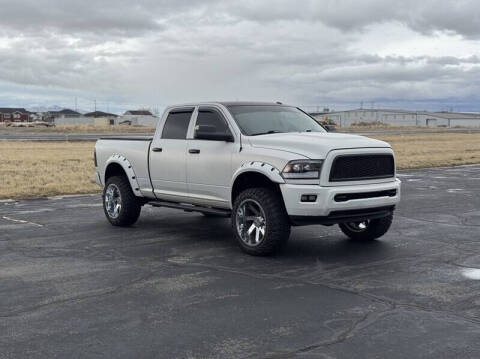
point(176, 286)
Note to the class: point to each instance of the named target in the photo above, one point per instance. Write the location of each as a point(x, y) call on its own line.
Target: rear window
point(176, 125)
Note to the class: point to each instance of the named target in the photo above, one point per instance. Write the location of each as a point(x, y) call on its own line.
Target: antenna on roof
point(279, 103)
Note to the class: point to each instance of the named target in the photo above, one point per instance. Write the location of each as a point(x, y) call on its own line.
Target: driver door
point(209, 162)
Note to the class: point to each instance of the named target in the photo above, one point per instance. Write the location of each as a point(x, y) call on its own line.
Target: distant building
point(138, 118)
point(66, 112)
point(53, 116)
point(14, 115)
point(448, 119)
point(138, 113)
point(73, 121)
point(97, 114)
point(72, 118)
point(104, 121)
point(399, 118)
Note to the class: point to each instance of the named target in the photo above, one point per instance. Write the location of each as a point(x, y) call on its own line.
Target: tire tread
point(278, 223)
point(131, 207)
point(376, 229)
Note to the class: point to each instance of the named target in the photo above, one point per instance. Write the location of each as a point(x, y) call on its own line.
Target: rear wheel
point(259, 221)
point(367, 230)
point(121, 206)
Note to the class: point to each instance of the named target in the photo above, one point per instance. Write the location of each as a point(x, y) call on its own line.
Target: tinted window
point(211, 121)
point(176, 125)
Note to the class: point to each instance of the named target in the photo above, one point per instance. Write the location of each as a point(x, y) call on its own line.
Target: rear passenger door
point(168, 156)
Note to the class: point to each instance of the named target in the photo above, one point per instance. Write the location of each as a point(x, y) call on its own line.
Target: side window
point(210, 121)
point(176, 125)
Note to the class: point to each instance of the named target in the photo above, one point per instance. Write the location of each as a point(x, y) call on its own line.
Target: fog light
point(308, 198)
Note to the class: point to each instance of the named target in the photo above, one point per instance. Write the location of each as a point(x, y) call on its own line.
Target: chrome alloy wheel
point(357, 226)
point(113, 201)
point(251, 223)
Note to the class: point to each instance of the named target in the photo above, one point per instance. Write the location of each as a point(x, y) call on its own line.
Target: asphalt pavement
point(175, 285)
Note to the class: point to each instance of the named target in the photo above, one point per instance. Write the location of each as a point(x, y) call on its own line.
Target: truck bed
point(135, 150)
point(131, 138)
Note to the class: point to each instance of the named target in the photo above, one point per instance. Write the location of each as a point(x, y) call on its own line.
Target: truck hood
point(315, 145)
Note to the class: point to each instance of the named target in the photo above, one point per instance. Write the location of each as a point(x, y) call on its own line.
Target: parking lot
point(176, 285)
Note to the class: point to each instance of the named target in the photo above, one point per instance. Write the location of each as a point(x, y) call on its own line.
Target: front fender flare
point(266, 169)
point(129, 172)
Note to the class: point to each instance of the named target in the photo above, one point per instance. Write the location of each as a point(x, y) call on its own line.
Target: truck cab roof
point(231, 103)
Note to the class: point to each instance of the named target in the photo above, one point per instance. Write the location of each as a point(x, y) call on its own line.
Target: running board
point(192, 208)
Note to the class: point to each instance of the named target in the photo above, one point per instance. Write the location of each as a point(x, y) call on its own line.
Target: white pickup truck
point(268, 166)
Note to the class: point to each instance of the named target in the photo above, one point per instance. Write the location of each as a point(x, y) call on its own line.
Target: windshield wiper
point(265, 133)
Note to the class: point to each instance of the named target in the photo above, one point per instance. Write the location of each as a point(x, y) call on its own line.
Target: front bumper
point(325, 202)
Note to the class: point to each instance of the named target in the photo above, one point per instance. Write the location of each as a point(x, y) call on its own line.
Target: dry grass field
point(38, 169)
point(434, 150)
point(375, 127)
point(416, 129)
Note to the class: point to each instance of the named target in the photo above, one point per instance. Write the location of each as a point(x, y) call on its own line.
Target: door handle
point(157, 149)
point(193, 150)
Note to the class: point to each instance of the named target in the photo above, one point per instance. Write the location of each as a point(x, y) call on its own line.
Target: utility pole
point(75, 103)
point(95, 101)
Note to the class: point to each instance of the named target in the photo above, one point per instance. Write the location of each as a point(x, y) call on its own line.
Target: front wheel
point(121, 206)
point(260, 221)
point(367, 230)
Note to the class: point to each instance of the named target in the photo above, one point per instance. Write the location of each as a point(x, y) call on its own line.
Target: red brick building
point(14, 115)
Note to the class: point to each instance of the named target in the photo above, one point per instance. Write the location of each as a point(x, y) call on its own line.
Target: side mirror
point(207, 132)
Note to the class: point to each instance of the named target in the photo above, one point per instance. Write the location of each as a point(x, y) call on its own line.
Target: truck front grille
point(362, 167)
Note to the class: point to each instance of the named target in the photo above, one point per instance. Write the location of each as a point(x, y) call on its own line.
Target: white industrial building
point(400, 118)
point(97, 118)
point(132, 118)
point(139, 118)
point(73, 121)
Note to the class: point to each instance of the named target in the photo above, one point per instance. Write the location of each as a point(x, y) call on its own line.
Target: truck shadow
point(306, 245)
point(335, 249)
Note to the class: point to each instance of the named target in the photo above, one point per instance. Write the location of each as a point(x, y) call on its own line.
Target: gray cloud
point(127, 18)
point(159, 52)
point(462, 17)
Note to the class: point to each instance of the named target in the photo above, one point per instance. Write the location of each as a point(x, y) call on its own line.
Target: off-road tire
point(131, 205)
point(277, 223)
point(375, 229)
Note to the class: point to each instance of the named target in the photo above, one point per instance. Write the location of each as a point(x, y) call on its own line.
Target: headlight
point(302, 169)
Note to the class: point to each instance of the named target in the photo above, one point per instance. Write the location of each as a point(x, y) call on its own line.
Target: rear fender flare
point(128, 169)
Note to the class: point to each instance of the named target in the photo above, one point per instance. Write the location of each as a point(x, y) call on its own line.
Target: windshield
point(264, 119)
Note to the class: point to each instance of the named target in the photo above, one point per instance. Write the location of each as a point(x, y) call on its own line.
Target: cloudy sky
point(335, 53)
